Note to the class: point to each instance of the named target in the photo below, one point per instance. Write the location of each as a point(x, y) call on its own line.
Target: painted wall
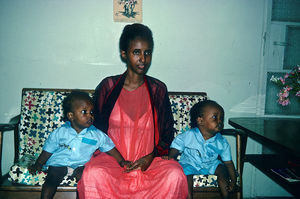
point(200, 45)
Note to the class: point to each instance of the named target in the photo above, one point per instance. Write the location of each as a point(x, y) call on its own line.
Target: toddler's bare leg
point(54, 177)
point(77, 174)
point(223, 178)
point(190, 186)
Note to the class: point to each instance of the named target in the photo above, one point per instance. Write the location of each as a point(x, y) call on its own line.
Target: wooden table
point(282, 137)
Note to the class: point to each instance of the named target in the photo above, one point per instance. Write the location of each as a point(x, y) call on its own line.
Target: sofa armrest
point(241, 141)
point(7, 127)
point(13, 125)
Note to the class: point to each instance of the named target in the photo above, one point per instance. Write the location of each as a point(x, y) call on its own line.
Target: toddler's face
point(212, 120)
point(82, 115)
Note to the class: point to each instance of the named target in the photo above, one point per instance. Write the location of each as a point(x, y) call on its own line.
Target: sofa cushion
point(41, 113)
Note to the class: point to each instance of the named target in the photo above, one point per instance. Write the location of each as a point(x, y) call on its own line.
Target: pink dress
point(131, 129)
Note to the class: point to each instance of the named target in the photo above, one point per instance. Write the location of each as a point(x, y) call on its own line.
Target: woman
point(135, 111)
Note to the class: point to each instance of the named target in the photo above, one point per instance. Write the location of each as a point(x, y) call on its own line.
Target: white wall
point(200, 45)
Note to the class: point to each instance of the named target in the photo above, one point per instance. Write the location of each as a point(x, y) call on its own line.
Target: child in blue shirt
point(203, 146)
point(70, 146)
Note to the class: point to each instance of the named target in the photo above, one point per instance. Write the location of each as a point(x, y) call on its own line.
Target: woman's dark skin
point(138, 60)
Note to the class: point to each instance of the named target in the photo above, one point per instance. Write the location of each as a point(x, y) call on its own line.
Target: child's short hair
point(198, 109)
point(131, 32)
point(68, 101)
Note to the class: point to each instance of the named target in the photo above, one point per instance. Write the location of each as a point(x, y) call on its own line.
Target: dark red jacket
point(107, 93)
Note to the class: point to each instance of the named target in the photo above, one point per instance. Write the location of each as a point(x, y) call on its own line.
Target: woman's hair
point(198, 109)
point(67, 103)
point(133, 31)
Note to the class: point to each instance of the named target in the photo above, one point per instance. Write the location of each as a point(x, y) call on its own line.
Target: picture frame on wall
point(127, 11)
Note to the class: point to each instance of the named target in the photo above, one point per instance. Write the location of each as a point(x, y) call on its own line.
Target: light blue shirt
point(74, 149)
point(199, 156)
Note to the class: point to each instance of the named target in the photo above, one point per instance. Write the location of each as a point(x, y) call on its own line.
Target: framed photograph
point(128, 11)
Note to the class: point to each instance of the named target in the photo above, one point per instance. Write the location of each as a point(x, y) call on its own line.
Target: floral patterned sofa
point(41, 113)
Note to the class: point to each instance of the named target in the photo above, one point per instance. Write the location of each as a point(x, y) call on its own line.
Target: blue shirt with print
point(200, 156)
point(74, 149)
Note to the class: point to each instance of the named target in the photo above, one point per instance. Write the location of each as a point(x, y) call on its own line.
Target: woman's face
point(138, 56)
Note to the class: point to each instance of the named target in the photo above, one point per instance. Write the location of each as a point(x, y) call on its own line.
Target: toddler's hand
point(34, 168)
point(165, 157)
point(231, 187)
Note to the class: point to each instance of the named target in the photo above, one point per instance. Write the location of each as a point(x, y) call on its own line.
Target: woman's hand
point(142, 163)
point(125, 163)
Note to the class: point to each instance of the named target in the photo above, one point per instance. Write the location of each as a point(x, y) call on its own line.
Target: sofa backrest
point(41, 113)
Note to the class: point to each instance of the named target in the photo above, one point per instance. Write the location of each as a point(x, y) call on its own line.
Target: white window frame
point(274, 42)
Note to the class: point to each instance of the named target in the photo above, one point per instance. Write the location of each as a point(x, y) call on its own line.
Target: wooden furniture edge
point(90, 90)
